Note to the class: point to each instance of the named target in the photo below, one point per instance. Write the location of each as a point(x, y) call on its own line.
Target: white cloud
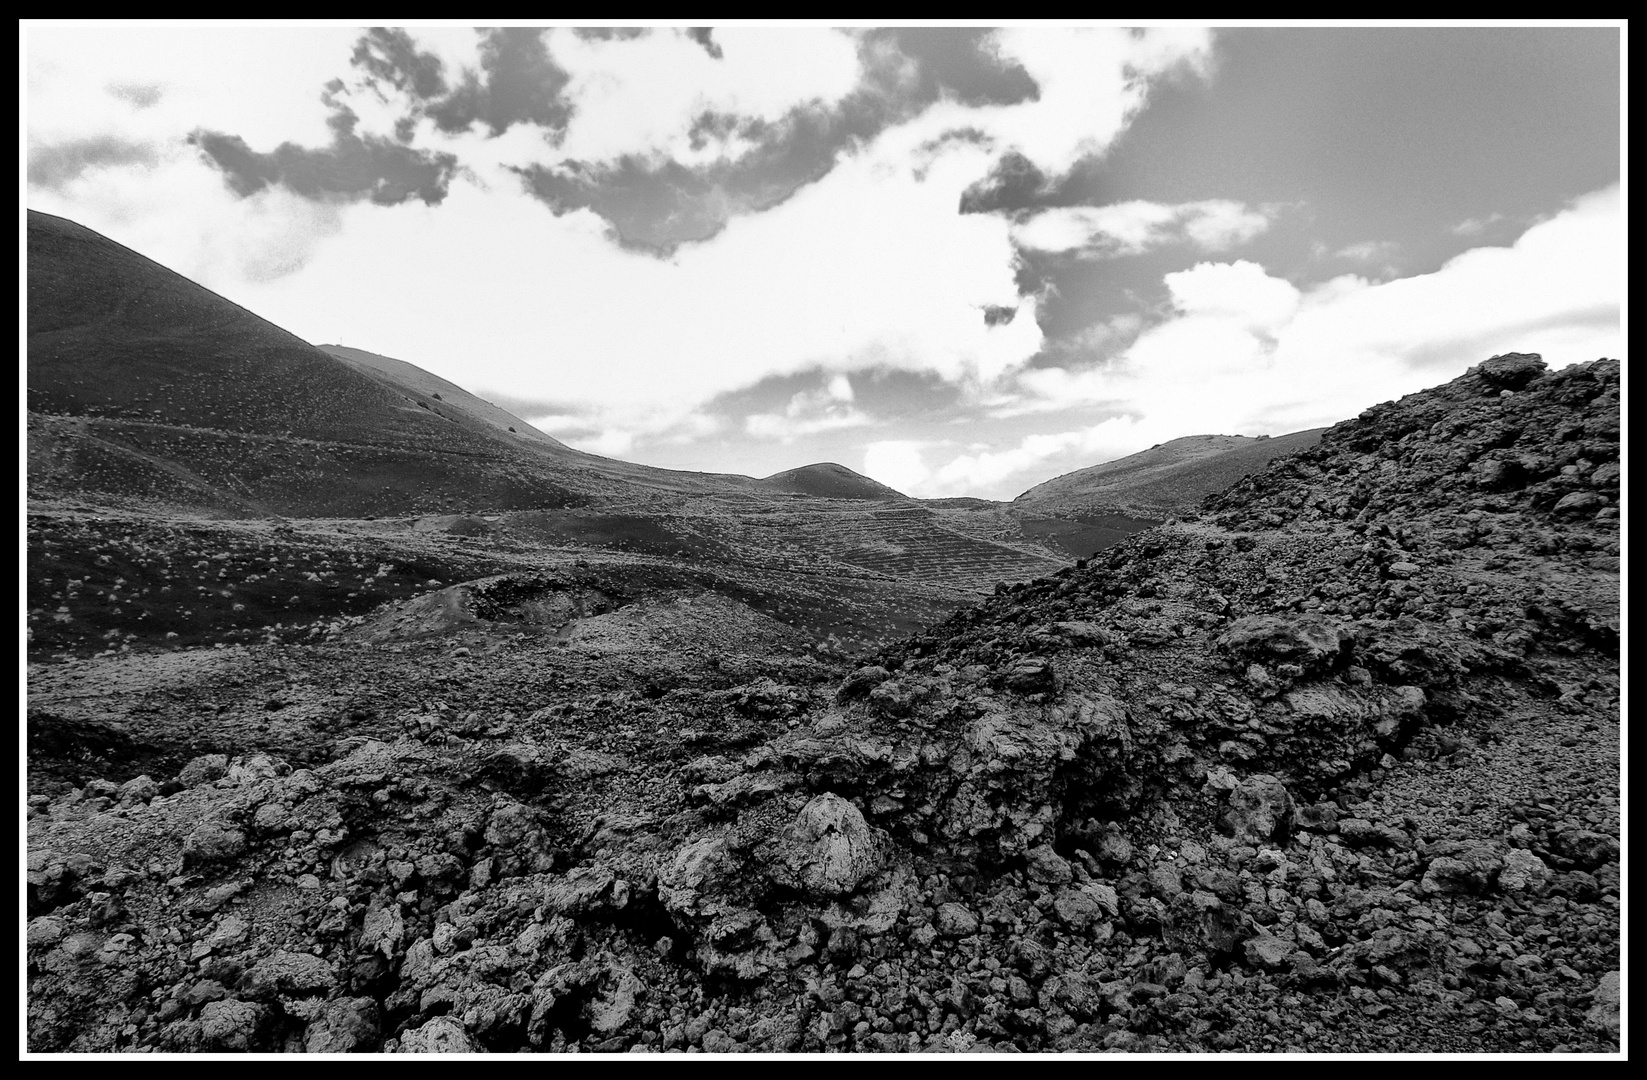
point(641, 96)
point(1368, 250)
point(1091, 81)
point(897, 463)
point(1248, 353)
point(1132, 227)
point(1240, 292)
point(1472, 226)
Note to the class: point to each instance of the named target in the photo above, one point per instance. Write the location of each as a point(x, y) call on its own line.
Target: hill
point(1164, 479)
point(147, 386)
point(828, 480)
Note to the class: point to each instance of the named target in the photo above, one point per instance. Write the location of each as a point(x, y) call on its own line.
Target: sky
point(960, 260)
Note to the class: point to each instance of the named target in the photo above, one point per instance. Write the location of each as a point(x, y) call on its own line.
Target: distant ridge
point(1168, 478)
point(828, 480)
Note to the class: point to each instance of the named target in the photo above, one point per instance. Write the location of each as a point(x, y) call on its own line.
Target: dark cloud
point(518, 83)
point(657, 205)
point(960, 62)
point(705, 36)
point(140, 95)
point(56, 165)
point(390, 55)
point(1013, 184)
point(999, 316)
point(885, 393)
point(352, 168)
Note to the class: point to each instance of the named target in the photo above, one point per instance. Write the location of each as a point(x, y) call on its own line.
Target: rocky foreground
point(1331, 766)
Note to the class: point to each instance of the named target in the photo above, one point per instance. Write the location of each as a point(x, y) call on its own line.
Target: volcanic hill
point(1330, 764)
point(1164, 479)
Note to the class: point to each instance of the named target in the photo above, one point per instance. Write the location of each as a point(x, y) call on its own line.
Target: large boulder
point(1604, 1013)
point(1511, 371)
point(1464, 871)
point(1260, 810)
point(1308, 641)
point(347, 1025)
point(231, 1024)
point(829, 849)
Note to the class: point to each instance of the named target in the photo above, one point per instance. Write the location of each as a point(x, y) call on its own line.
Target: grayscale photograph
point(809, 538)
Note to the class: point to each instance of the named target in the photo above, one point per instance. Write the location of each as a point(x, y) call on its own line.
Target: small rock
point(231, 1024)
point(1522, 871)
point(288, 973)
point(861, 682)
point(955, 921)
point(1267, 951)
point(203, 770)
point(1046, 866)
point(1579, 504)
point(213, 841)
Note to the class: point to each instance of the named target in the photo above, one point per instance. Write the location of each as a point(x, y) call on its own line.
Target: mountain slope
point(156, 368)
point(1164, 479)
point(404, 376)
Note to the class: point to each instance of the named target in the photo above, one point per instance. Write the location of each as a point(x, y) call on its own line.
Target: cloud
point(1475, 226)
point(897, 463)
point(705, 37)
point(1248, 353)
point(57, 165)
point(708, 150)
point(1130, 228)
point(828, 408)
point(1368, 250)
point(1013, 184)
point(518, 83)
point(1091, 82)
point(140, 95)
point(389, 55)
point(352, 168)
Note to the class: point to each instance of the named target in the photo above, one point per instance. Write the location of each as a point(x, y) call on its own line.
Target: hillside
point(403, 376)
point(144, 385)
point(1164, 479)
point(1331, 768)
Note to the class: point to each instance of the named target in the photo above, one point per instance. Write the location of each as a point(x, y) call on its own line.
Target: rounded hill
point(827, 480)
